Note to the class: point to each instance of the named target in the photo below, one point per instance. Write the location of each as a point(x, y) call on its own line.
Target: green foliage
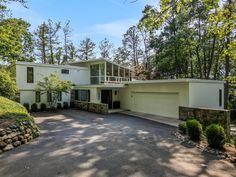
point(8, 87)
point(16, 43)
point(194, 129)
point(43, 107)
point(26, 105)
point(192, 38)
point(182, 128)
point(54, 85)
point(216, 136)
point(34, 107)
point(13, 110)
point(86, 49)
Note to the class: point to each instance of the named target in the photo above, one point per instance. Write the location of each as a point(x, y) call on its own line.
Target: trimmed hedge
point(34, 107)
point(43, 107)
point(194, 129)
point(216, 136)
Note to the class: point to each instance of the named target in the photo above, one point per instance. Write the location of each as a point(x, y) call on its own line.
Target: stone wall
point(207, 116)
point(15, 135)
point(92, 107)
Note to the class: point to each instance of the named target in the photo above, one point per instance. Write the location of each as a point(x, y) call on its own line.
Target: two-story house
point(103, 82)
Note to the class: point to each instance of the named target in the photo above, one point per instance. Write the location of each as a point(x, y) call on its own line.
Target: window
point(122, 72)
point(84, 95)
point(37, 97)
point(115, 70)
point(94, 70)
point(49, 97)
point(220, 97)
point(30, 75)
point(59, 96)
point(76, 94)
point(94, 73)
point(65, 71)
point(109, 69)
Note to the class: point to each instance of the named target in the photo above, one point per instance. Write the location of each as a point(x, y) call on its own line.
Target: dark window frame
point(220, 97)
point(88, 95)
point(30, 75)
point(76, 95)
point(65, 71)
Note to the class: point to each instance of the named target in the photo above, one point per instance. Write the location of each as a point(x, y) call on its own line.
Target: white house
point(100, 81)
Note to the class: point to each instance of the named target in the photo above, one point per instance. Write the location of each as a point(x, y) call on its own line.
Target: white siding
point(205, 95)
point(77, 75)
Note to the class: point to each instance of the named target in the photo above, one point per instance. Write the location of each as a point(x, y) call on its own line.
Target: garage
point(157, 103)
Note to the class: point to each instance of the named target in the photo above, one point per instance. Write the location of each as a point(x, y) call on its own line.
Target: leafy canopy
point(54, 85)
point(8, 87)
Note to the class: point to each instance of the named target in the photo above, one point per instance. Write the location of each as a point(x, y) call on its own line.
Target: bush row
point(215, 133)
point(42, 107)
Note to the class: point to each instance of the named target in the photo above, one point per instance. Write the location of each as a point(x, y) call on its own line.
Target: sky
point(96, 19)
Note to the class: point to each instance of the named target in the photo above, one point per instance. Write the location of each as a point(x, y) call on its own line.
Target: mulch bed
point(228, 152)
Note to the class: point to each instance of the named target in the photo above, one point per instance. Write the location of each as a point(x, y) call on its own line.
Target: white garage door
point(164, 104)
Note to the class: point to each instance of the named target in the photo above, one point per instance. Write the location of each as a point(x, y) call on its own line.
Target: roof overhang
point(174, 81)
point(103, 86)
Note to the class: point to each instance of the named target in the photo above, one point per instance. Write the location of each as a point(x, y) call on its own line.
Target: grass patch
point(12, 110)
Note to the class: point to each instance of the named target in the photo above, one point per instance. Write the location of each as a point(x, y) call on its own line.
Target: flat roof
point(50, 65)
point(101, 86)
point(174, 81)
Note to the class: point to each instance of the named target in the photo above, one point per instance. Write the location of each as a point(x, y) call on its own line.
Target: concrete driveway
point(75, 143)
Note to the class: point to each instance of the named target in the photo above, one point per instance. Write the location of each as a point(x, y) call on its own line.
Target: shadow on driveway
point(76, 143)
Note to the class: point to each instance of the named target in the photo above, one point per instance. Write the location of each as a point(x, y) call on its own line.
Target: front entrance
point(106, 97)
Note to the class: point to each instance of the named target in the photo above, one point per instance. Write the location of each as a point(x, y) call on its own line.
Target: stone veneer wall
point(92, 107)
point(207, 116)
point(15, 135)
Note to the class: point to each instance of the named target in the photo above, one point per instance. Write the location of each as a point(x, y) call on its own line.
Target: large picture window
point(84, 95)
point(30, 75)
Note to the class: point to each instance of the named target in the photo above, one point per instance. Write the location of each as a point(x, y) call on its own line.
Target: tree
point(8, 87)
point(105, 49)
point(53, 85)
point(42, 42)
point(53, 29)
point(67, 41)
point(16, 43)
point(121, 55)
point(4, 11)
point(131, 42)
point(86, 49)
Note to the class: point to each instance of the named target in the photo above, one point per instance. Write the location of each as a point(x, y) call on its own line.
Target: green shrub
point(34, 107)
point(26, 105)
point(194, 129)
point(182, 128)
point(43, 107)
point(216, 136)
point(59, 106)
point(8, 86)
point(65, 105)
